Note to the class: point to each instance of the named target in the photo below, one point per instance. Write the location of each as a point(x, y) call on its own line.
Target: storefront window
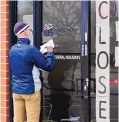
point(62, 86)
point(25, 12)
point(24, 8)
point(64, 18)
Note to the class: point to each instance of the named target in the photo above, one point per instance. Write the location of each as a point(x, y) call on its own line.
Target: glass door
point(62, 86)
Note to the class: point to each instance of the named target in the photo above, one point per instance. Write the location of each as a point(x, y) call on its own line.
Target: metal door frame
point(85, 47)
point(37, 31)
point(12, 41)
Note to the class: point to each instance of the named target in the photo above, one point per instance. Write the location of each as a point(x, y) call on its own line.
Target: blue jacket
point(23, 57)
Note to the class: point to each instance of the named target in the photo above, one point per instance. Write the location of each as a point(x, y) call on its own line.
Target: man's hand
point(49, 49)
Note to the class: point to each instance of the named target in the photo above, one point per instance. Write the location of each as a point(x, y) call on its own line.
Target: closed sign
point(102, 61)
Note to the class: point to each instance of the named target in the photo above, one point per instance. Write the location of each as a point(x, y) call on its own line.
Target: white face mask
point(31, 38)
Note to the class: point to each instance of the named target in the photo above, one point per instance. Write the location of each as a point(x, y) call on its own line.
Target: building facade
point(4, 63)
point(69, 91)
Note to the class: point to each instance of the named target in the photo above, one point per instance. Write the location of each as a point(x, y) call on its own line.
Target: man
point(23, 57)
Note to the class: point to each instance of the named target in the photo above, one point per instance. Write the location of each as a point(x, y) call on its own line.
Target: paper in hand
point(43, 48)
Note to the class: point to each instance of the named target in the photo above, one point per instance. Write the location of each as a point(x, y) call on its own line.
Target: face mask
point(31, 38)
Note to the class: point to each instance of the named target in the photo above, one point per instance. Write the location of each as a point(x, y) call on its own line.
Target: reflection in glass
point(61, 93)
point(64, 16)
point(24, 8)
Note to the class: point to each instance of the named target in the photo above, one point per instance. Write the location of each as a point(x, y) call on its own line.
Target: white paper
point(50, 43)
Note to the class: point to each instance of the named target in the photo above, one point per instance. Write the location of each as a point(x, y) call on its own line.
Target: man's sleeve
point(43, 62)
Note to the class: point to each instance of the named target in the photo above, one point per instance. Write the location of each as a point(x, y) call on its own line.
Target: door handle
point(85, 87)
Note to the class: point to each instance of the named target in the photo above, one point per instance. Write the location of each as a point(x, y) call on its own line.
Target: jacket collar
point(23, 40)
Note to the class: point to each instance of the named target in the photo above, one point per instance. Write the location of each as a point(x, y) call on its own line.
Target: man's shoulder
point(26, 46)
point(33, 48)
point(13, 47)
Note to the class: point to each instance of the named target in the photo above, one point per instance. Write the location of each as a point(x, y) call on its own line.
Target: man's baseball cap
point(19, 27)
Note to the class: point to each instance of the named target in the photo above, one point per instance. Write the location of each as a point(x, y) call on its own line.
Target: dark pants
point(60, 104)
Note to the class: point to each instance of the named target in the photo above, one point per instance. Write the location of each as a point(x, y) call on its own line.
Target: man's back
point(22, 59)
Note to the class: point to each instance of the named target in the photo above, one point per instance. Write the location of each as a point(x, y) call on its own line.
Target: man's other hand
point(49, 49)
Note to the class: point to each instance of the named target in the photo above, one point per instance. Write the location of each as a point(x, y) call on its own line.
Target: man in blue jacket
point(23, 56)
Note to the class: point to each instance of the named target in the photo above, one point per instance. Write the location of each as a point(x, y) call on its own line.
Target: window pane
point(63, 18)
point(24, 8)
